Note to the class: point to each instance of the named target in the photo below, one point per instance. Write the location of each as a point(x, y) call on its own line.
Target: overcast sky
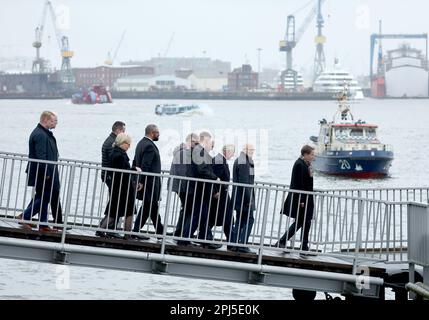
point(230, 30)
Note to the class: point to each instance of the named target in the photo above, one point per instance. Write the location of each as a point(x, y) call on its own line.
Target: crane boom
point(169, 45)
point(39, 63)
point(307, 21)
point(119, 45)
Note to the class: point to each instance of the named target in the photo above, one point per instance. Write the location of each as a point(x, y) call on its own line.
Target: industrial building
point(106, 76)
point(182, 80)
point(243, 79)
point(201, 67)
point(30, 83)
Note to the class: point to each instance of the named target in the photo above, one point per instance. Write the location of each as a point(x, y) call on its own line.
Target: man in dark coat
point(199, 194)
point(44, 177)
point(147, 158)
point(221, 209)
point(181, 160)
point(106, 150)
point(106, 176)
point(244, 197)
point(300, 206)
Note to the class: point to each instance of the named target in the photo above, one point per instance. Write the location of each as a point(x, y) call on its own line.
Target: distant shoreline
point(246, 96)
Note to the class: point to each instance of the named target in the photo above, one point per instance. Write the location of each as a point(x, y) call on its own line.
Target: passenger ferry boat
point(333, 81)
point(171, 109)
point(346, 147)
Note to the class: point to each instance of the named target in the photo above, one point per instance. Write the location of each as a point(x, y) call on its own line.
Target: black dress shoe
point(100, 234)
point(138, 237)
point(184, 243)
point(211, 246)
point(113, 235)
point(280, 245)
point(244, 250)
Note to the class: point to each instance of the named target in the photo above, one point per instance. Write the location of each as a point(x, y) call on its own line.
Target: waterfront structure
point(30, 83)
point(201, 67)
point(106, 76)
point(243, 79)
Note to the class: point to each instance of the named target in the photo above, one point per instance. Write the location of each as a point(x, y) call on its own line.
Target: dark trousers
point(179, 226)
point(243, 226)
point(57, 210)
point(303, 223)
point(196, 217)
point(112, 222)
point(221, 214)
point(45, 194)
point(149, 209)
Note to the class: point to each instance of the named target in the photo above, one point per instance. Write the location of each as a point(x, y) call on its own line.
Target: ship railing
point(347, 227)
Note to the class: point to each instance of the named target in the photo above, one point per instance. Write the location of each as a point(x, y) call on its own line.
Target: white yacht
point(334, 81)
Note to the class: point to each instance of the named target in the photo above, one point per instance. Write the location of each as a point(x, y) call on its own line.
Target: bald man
point(43, 177)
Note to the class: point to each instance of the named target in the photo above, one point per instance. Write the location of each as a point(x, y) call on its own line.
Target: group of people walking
point(200, 181)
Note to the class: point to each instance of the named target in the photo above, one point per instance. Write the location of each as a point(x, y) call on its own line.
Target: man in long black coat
point(44, 177)
point(300, 206)
point(179, 165)
point(221, 209)
point(147, 158)
point(106, 176)
point(244, 197)
point(199, 194)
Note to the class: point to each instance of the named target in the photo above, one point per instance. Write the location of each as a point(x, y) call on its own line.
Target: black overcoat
point(302, 179)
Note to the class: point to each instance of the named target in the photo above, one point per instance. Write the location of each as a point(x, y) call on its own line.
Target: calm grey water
point(278, 129)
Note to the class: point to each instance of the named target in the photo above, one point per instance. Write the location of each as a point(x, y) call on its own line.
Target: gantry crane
point(292, 38)
point(39, 64)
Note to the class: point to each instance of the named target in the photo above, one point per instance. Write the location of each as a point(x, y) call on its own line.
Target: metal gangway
point(358, 237)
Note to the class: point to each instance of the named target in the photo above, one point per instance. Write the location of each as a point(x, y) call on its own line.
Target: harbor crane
point(293, 37)
point(111, 60)
point(39, 64)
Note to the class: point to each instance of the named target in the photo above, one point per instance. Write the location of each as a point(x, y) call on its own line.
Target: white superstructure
point(333, 81)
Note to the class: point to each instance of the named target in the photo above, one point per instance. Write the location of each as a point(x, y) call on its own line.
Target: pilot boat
point(346, 147)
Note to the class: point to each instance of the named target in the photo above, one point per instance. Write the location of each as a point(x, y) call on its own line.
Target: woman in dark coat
point(300, 206)
point(122, 198)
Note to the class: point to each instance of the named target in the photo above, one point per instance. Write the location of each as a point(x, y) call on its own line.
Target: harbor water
point(278, 129)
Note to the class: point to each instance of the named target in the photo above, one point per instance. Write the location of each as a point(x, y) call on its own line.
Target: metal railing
point(342, 226)
point(398, 194)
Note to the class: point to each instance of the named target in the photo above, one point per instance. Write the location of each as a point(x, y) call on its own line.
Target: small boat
point(350, 148)
point(97, 94)
point(171, 109)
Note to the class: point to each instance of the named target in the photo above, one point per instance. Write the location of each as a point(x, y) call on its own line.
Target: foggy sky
point(230, 30)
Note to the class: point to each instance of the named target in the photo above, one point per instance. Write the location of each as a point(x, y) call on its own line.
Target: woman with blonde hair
point(123, 184)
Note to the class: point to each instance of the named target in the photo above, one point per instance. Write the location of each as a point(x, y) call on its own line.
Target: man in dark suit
point(148, 160)
point(199, 194)
point(221, 209)
point(44, 177)
point(106, 176)
point(300, 206)
point(179, 165)
point(243, 197)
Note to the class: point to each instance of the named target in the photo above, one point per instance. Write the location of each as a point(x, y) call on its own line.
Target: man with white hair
point(243, 198)
point(221, 209)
